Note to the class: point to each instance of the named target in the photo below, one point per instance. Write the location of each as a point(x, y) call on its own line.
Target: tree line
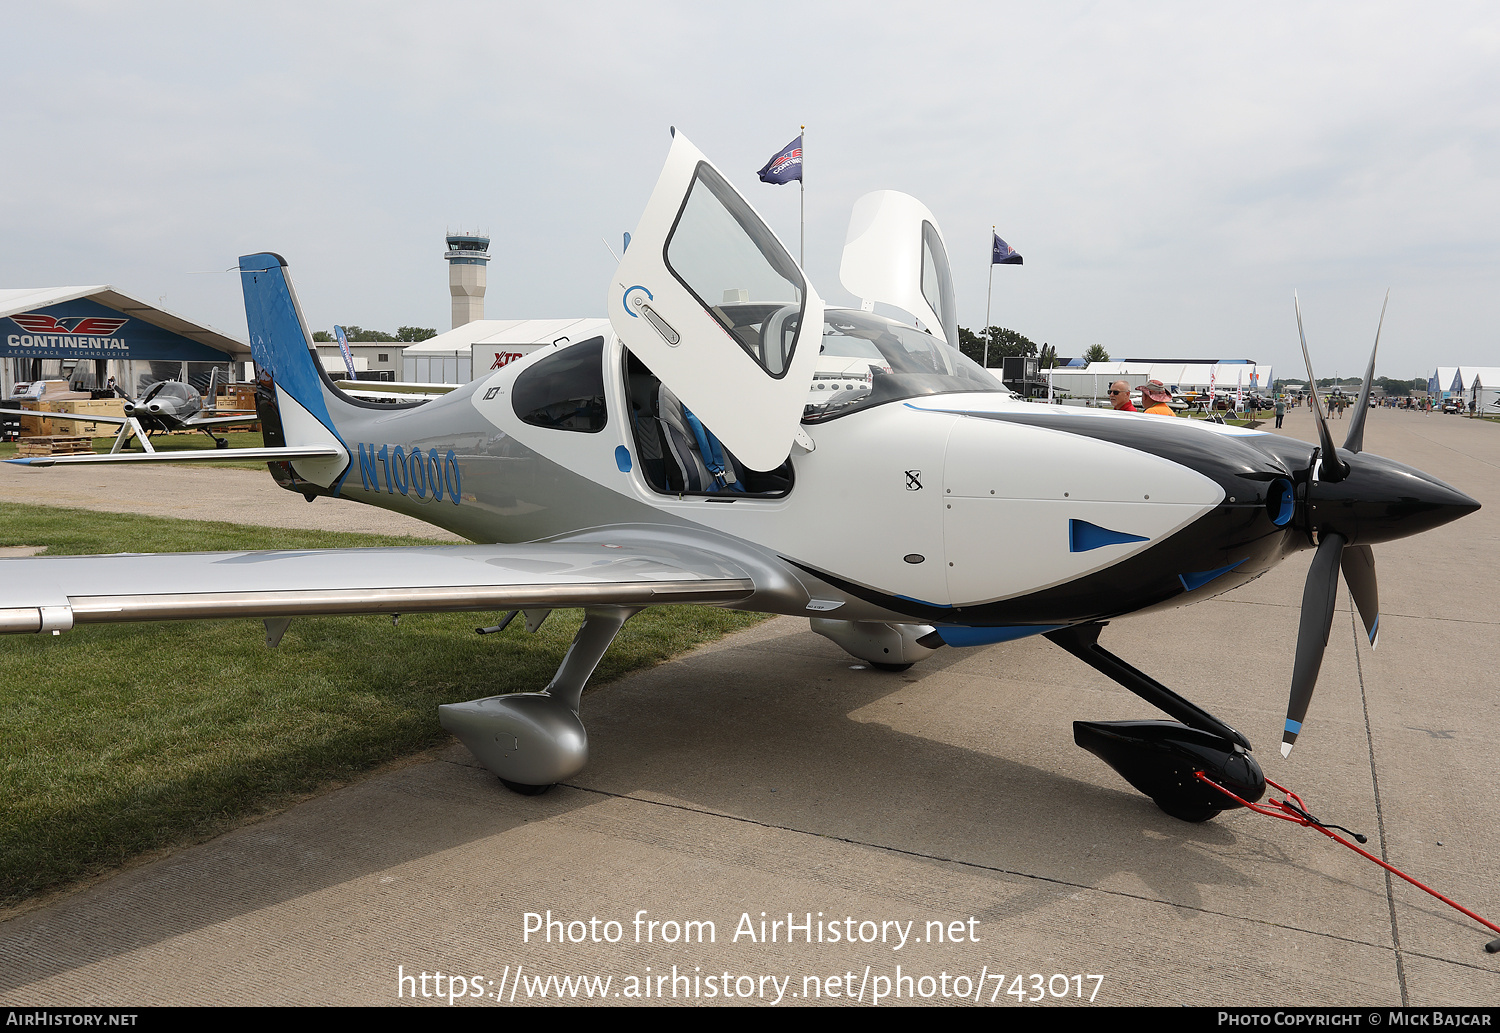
point(359, 335)
point(1005, 343)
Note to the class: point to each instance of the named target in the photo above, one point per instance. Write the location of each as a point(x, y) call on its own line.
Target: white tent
point(1093, 380)
point(1441, 382)
point(467, 351)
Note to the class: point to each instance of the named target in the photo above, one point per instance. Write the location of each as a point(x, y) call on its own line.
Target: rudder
point(289, 391)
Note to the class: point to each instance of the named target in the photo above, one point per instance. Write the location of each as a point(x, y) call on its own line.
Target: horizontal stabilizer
point(202, 455)
point(394, 387)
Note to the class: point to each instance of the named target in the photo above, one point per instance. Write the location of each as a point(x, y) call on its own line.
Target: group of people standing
point(1154, 398)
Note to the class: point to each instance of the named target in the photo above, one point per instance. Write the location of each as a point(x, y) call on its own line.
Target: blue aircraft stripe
point(1295, 727)
point(1375, 629)
point(1202, 577)
point(924, 602)
point(1084, 536)
point(955, 636)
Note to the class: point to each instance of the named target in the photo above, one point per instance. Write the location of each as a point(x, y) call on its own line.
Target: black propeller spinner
point(1353, 500)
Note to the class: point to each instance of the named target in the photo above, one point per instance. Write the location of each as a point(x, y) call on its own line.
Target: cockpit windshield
point(165, 389)
point(867, 360)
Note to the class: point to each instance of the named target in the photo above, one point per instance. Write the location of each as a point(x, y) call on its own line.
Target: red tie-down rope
point(1298, 814)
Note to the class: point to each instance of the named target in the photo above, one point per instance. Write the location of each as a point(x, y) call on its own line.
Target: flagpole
point(988, 292)
point(802, 203)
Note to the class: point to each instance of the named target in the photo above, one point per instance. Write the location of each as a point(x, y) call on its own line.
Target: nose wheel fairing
point(1162, 758)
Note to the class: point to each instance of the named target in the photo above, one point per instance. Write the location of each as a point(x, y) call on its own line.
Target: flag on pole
point(786, 165)
point(1003, 253)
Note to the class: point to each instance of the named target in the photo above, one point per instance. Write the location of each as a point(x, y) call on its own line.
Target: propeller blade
point(1356, 439)
point(1358, 565)
point(1312, 633)
point(1330, 466)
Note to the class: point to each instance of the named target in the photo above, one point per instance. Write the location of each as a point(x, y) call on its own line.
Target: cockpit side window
point(937, 283)
point(737, 270)
point(564, 391)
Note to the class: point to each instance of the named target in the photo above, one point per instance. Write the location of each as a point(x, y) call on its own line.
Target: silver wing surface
point(47, 593)
point(200, 455)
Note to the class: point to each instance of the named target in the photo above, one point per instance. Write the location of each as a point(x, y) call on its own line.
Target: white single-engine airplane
point(678, 459)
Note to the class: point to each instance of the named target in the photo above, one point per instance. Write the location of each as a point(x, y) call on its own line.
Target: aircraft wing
point(191, 423)
point(43, 415)
point(46, 593)
point(195, 422)
point(194, 455)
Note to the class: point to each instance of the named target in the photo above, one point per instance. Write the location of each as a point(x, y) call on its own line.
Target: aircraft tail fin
point(289, 395)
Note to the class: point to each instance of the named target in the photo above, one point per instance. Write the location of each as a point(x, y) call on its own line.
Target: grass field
point(124, 740)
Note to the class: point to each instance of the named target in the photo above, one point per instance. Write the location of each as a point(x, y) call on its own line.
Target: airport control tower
point(467, 256)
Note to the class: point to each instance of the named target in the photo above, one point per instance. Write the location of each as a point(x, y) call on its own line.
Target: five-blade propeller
point(1334, 551)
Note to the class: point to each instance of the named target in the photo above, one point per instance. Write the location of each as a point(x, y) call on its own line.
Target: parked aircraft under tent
point(86, 335)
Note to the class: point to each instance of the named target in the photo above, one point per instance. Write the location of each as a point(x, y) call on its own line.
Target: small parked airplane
point(167, 405)
point(678, 459)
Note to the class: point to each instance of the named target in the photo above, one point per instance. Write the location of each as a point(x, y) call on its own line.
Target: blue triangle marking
point(1084, 536)
point(1202, 577)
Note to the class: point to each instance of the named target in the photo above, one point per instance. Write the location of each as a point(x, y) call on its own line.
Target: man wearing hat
point(1154, 397)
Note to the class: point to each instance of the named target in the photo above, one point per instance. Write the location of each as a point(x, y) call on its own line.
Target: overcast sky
point(1171, 172)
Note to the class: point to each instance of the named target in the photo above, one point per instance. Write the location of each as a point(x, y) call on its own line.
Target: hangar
point(86, 335)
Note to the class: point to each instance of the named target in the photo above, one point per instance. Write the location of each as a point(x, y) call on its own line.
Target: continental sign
point(85, 329)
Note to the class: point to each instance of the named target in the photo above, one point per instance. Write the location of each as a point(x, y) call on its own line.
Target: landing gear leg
point(1162, 758)
point(532, 740)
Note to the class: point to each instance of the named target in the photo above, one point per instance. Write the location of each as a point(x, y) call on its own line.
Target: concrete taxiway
point(848, 832)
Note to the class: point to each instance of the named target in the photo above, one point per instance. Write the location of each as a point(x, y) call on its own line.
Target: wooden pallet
point(55, 445)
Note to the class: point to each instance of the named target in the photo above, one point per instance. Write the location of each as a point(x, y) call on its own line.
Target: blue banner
point(85, 329)
point(343, 340)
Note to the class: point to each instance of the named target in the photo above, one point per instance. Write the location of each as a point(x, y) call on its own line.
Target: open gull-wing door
point(894, 254)
point(712, 302)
